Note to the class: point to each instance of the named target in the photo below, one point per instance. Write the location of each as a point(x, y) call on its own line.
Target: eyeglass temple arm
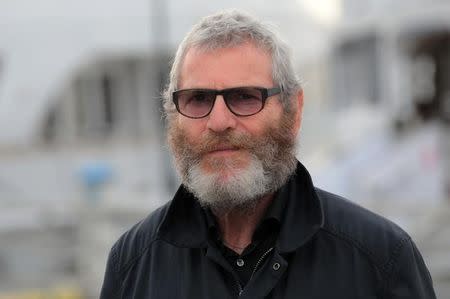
point(273, 91)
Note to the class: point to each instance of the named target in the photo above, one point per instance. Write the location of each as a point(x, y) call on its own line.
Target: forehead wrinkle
point(225, 75)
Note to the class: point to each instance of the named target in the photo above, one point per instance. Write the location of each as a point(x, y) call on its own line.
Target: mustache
point(213, 141)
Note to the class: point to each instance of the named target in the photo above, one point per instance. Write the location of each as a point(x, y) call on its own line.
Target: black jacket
point(328, 247)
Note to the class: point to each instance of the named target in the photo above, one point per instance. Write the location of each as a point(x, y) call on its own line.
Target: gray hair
point(228, 29)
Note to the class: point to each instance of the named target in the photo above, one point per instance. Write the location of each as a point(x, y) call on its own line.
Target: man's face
point(224, 159)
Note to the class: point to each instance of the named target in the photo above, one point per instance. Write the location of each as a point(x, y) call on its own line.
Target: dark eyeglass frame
point(265, 94)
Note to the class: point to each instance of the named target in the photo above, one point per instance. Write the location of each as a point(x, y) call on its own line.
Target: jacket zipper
point(260, 261)
point(240, 289)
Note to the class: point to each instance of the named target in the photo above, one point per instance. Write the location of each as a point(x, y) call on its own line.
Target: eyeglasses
point(241, 101)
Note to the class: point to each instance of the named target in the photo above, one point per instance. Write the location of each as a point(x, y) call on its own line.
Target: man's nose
point(221, 118)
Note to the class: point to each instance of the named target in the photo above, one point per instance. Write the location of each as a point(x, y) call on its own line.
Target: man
point(247, 221)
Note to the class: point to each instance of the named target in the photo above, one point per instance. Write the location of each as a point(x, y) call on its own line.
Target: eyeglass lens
point(241, 101)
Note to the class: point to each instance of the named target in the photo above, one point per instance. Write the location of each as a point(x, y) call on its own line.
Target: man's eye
point(247, 96)
point(197, 98)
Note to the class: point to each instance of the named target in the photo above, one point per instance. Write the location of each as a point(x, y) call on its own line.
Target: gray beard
point(240, 191)
point(272, 162)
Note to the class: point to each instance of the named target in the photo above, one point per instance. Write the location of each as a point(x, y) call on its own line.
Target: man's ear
point(298, 102)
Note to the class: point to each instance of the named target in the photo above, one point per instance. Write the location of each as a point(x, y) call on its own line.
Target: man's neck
point(237, 227)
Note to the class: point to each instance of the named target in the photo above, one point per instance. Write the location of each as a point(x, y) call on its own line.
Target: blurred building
point(82, 154)
point(389, 97)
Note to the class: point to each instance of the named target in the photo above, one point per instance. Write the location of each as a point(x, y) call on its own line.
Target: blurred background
point(82, 151)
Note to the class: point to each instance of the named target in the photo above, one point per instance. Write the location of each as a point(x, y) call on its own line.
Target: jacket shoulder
point(135, 241)
point(379, 238)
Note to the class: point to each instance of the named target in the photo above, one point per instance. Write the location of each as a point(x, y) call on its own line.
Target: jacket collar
point(303, 213)
point(185, 225)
